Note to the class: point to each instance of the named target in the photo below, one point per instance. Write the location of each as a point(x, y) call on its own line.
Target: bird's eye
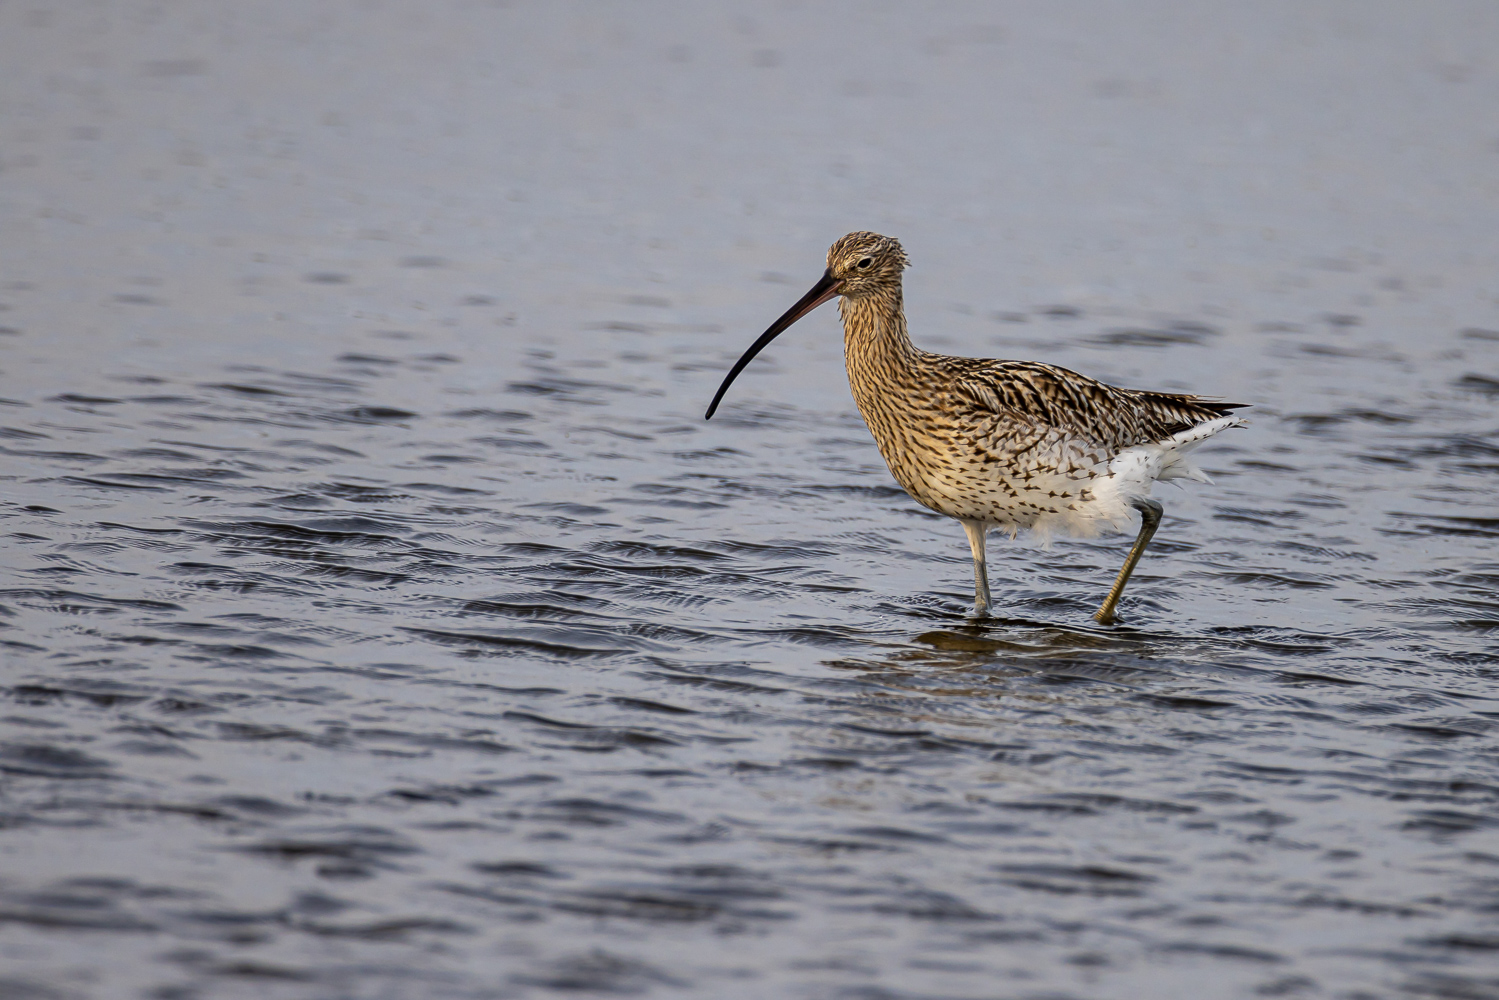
point(865, 263)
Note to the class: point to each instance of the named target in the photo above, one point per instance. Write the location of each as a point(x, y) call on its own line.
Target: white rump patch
point(1130, 475)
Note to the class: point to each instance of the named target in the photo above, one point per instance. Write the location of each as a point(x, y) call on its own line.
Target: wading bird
point(1000, 444)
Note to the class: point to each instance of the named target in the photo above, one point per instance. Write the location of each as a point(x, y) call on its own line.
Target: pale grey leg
point(981, 601)
point(1150, 519)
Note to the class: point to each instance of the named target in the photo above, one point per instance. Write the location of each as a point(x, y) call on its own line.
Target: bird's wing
point(1026, 443)
point(1043, 402)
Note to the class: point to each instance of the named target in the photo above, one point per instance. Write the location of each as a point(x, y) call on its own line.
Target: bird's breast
point(932, 453)
point(966, 462)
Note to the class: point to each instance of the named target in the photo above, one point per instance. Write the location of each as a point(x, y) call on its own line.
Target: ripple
point(382, 619)
point(50, 761)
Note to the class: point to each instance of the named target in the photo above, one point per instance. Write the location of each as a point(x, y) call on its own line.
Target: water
point(382, 620)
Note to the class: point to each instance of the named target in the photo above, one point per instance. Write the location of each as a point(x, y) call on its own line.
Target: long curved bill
point(825, 289)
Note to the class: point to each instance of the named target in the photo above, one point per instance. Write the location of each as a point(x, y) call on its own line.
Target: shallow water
point(381, 619)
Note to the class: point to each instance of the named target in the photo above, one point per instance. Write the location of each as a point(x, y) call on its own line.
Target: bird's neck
point(874, 334)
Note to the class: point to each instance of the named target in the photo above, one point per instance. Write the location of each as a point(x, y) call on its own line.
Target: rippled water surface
point(381, 619)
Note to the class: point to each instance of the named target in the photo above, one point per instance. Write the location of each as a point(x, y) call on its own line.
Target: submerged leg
point(976, 531)
point(1150, 519)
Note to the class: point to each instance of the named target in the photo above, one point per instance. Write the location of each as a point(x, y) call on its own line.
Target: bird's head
point(864, 263)
point(860, 264)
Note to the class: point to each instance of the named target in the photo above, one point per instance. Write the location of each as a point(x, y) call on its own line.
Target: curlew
point(1014, 445)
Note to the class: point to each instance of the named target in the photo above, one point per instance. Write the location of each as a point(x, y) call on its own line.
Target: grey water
point(380, 618)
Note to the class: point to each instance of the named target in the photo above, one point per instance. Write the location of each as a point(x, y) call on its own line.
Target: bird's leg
point(976, 531)
point(1150, 519)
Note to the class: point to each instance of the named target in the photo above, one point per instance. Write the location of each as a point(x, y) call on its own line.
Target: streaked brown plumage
point(1000, 444)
